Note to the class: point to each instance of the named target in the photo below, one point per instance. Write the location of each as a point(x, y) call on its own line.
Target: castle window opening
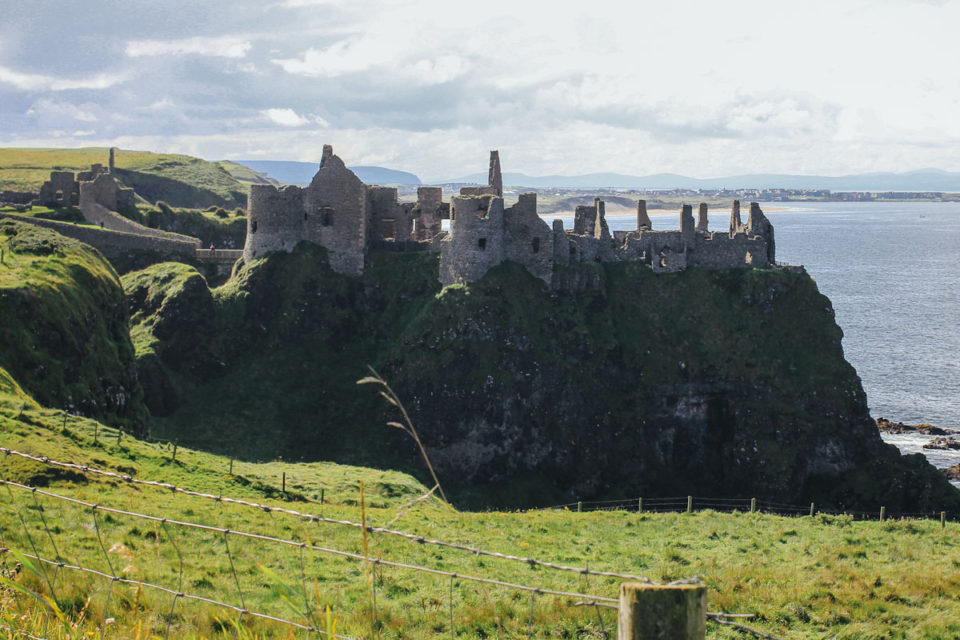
point(482, 244)
point(536, 245)
point(304, 215)
point(253, 226)
point(59, 195)
point(327, 218)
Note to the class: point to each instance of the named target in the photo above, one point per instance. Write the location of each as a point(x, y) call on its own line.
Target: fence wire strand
point(315, 518)
point(331, 551)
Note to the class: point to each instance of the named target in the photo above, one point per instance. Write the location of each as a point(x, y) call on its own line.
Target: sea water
point(892, 271)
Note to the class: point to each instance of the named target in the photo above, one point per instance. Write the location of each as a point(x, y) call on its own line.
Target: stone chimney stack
point(643, 220)
point(702, 218)
point(110, 162)
point(687, 228)
point(327, 154)
point(494, 178)
point(600, 228)
point(735, 225)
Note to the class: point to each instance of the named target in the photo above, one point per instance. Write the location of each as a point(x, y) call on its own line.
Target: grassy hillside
point(63, 326)
point(180, 180)
point(826, 576)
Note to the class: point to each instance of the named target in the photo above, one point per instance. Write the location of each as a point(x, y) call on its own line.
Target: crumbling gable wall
point(335, 212)
point(758, 225)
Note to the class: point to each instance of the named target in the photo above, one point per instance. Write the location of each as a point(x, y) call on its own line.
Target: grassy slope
point(63, 325)
point(177, 179)
point(245, 174)
point(820, 577)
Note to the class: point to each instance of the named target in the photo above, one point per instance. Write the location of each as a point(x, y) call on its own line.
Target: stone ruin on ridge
point(347, 217)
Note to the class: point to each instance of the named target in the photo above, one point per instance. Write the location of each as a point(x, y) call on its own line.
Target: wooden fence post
point(689, 504)
point(579, 506)
point(639, 505)
point(662, 612)
point(883, 514)
point(284, 481)
point(812, 511)
point(943, 519)
point(753, 505)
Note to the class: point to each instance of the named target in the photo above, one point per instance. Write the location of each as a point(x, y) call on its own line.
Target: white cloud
point(58, 110)
point(221, 46)
point(290, 118)
point(439, 70)
point(347, 56)
point(40, 82)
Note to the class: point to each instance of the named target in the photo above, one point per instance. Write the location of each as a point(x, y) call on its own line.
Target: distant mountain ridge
point(921, 180)
point(301, 173)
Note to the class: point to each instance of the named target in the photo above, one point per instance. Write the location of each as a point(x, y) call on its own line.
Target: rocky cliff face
point(618, 383)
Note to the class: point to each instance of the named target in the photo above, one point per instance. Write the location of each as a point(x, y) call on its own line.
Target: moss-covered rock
point(620, 383)
point(63, 326)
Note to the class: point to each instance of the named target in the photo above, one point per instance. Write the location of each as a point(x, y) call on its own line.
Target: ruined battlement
point(346, 216)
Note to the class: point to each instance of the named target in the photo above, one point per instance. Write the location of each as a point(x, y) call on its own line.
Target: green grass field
point(821, 577)
point(179, 179)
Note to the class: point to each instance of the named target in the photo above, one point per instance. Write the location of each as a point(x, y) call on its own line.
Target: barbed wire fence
point(58, 563)
point(51, 568)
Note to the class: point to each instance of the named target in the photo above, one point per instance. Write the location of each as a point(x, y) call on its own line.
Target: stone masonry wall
point(476, 239)
point(115, 243)
point(528, 239)
point(274, 220)
point(336, 210)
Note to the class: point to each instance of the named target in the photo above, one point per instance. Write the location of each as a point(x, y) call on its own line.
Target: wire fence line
point(412, 537)
point(693, 503)
point(590, 600)
point(305, 545)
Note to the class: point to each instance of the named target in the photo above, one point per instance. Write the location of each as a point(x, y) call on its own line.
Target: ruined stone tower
point(331, 212)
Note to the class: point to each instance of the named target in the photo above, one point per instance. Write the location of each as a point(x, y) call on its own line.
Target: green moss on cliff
point(619, 383)
point(63, 326)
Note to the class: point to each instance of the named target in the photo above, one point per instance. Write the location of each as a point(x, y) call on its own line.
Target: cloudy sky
point(704, 89)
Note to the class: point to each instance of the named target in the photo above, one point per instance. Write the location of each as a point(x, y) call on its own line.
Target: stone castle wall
point(113, 244)
point(275, 220)
point(347, 217)
point(476, 239)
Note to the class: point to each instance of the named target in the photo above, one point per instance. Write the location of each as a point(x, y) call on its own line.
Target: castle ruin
point(347, 217)
point(86, 190)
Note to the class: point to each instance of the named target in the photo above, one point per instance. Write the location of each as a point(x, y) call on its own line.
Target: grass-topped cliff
point(619, 383)
point(63, 326)
point(180, 180)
